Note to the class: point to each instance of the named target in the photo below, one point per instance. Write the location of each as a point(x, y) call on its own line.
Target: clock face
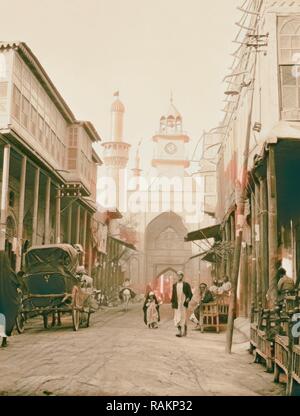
point(171, 148)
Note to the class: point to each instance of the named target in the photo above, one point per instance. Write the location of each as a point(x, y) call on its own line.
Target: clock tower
point(170, 157)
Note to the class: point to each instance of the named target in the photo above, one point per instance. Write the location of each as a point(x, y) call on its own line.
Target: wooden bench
point(215, 314)
point(255, 318)
point(267, 329)
point(287, 355)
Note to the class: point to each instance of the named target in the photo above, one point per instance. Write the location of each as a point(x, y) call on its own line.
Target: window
point(53, 143)
point(48, 137)
point(33, 121)
point(72, 159)
point(73, 134)
point(41, 129)
point(25, 112)
point(16, 102)
point(289, 62)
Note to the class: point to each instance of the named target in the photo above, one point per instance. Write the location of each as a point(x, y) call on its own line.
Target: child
point(151, 309)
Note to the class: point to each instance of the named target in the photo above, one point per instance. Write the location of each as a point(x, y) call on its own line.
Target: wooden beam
point(69, 231)
point(4, 195)
point(273, 227)
point(47, 210)
point(264, 239)
point(257, 244)
point(35, 205)
point(253, 252)
point(21, 213)
point(58, 217)
point(77, 239)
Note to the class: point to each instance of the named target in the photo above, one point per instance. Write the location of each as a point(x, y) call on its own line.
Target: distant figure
point(285, 284)
point(86, 281)
point(126, 287)
point(151, 311)
point(9, 298)
point(181, 297)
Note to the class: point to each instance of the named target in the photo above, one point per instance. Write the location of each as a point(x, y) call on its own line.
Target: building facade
point(47, 162)
point(261, 131)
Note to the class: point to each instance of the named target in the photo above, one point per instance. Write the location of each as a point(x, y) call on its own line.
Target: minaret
point(116, 151)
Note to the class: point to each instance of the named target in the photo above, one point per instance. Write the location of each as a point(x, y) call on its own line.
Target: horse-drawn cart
point(53, 286)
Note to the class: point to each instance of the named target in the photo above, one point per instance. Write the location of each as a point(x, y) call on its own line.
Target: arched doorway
point(166, 250)
point(163, 284)
point(11, 240)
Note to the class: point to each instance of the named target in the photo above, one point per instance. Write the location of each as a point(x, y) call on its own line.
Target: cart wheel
point(76, 319)
point(20, 323)
point(45, 319)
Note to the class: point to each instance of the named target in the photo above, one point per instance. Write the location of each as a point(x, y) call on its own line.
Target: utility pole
point(240, 216)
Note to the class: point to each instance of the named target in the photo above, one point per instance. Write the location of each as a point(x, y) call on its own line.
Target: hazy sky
point(144, 48)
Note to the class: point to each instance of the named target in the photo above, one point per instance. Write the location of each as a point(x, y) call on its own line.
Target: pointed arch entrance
point(166, 251)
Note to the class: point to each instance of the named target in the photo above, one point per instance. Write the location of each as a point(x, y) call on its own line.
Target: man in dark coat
point(181, 297)
point(9, 299)
point(205, 297)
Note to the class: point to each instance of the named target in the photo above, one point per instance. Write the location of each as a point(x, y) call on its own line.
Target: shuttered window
point(16, 103)
point(25, 112)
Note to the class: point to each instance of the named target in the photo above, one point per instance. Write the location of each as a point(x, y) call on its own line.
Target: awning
point(210, 256)
point(204, 233)
point(123, 243)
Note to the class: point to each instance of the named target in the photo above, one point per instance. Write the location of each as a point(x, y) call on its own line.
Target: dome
point(118, 106)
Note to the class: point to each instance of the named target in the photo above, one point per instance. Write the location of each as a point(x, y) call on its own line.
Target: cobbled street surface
point(118, 355)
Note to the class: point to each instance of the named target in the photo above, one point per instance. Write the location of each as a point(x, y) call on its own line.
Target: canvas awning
point(123, 243)
point(204, 233)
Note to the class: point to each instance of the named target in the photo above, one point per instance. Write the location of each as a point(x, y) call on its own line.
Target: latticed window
point(289, 62)
point(48, 137)
point(41, 129)
point(72, 158)
point(33, 121)
point(25, 112)
point(16, 102)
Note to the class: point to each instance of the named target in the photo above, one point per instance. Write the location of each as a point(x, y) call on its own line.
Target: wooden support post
point(86, 247)
point(21, 213)
point(253, 252)
point(243, 283)
point(58, 217)
point(273, 227)
point(35, 205)
point(47, 210)
point(4, 195)
point(69, 228)
point(264, 239)
point(77, 239)
point(257, 244)
point(228, 240)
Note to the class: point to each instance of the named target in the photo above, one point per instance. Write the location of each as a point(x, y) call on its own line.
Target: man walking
point(181, 297)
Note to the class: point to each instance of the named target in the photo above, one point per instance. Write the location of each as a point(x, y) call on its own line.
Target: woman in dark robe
point(145, 306)
point(9, 299)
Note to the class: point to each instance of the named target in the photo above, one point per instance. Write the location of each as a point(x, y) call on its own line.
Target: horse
point(126, 296)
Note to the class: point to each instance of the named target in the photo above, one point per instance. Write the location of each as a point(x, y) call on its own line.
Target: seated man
point(285, 284)
point(225, 289)
point(205, 297)
point(214, 289)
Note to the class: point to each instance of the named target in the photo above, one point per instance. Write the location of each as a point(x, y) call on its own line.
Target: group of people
point(181, 297)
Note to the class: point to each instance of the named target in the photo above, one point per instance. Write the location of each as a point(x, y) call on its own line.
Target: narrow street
point(118, 355)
